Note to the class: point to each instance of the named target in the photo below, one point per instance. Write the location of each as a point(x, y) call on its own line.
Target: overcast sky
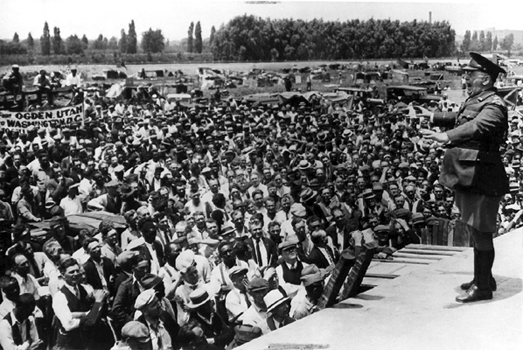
point(108, 17)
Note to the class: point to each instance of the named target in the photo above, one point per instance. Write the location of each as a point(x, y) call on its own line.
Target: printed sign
point(60, 117)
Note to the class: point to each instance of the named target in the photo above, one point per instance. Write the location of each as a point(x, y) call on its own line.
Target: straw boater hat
point(273, 299)
point(197, 298)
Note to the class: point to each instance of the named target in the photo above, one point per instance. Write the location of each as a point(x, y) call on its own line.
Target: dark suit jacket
point(159, 252)
point(332, 232)
point(272, 252)
point(317, 258)
point(170, 325)
point(123, 305)
point(92, 277)
point(222, 334)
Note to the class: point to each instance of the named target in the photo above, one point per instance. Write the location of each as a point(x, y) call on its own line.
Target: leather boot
point(480, 290)
point(466, 286)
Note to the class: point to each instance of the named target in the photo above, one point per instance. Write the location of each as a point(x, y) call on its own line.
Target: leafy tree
point(153, 41)
point(213, 33)
point(113, 43)
point(132, 39)
point(242, 53)
point(482, 41)
point(475, 36)
point(289, 52)
point(30, 41)
point(45, 41)
point(85, 41)
point(11, 48)
point(274, 54)
point(488, 42)
point(495, 44)
point(58, 43)
point(74, 45)
point(198, 43)
point(266, 39)
point(466, 41)
point(100, 43)
point(123, 42)
point(16, 39)
point(190, 40)
point(507, 42)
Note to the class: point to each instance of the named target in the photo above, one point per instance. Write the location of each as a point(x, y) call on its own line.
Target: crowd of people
point(236, 213)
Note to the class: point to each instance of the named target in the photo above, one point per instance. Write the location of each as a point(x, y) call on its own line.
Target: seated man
point(304, 303)
point(256, 314)
point(278, 307)
point(44, 85)
point(289, 270)
point(237, 301)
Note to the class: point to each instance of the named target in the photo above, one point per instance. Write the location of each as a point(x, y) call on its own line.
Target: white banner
point(41, 119)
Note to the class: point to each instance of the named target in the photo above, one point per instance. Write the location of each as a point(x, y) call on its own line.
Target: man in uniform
point(473, 166)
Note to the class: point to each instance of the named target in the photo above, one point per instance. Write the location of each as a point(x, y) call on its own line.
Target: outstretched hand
point(433, 135)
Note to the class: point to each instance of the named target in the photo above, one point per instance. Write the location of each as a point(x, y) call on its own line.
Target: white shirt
point(262, 250)
point(6, 332)
point(236, 304)
point(73, 80)
point(220, 275)
point(160, 336)
point(256, 317)
point(28, 285)
point(71, 206)
point(62, 311)
point(155, 264)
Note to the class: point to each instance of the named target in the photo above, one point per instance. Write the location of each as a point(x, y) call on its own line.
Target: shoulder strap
point(17, 336)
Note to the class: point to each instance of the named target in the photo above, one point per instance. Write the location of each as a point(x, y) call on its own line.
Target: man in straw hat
point(473, 168)
point(278, 307)
point(202, 311)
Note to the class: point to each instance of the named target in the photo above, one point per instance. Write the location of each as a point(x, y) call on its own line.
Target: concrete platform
point(417, 310)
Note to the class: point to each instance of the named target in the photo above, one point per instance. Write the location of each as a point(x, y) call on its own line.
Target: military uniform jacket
point(472, 162)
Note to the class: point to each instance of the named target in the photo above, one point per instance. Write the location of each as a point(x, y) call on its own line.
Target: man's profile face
point(475, 82)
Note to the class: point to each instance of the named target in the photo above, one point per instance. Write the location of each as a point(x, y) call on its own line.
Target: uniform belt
point(493, 149)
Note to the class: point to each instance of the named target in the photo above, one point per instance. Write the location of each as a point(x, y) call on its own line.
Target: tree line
point(153, 41)
point(481, 42)
point(249, 37)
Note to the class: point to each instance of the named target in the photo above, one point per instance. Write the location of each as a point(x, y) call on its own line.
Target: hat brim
point(310, 279)
point(278, 303)
point(190, 304)
point(485, 64)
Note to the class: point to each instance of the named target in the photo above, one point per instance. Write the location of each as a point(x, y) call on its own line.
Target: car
point(516, 62)
point(409, 93)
